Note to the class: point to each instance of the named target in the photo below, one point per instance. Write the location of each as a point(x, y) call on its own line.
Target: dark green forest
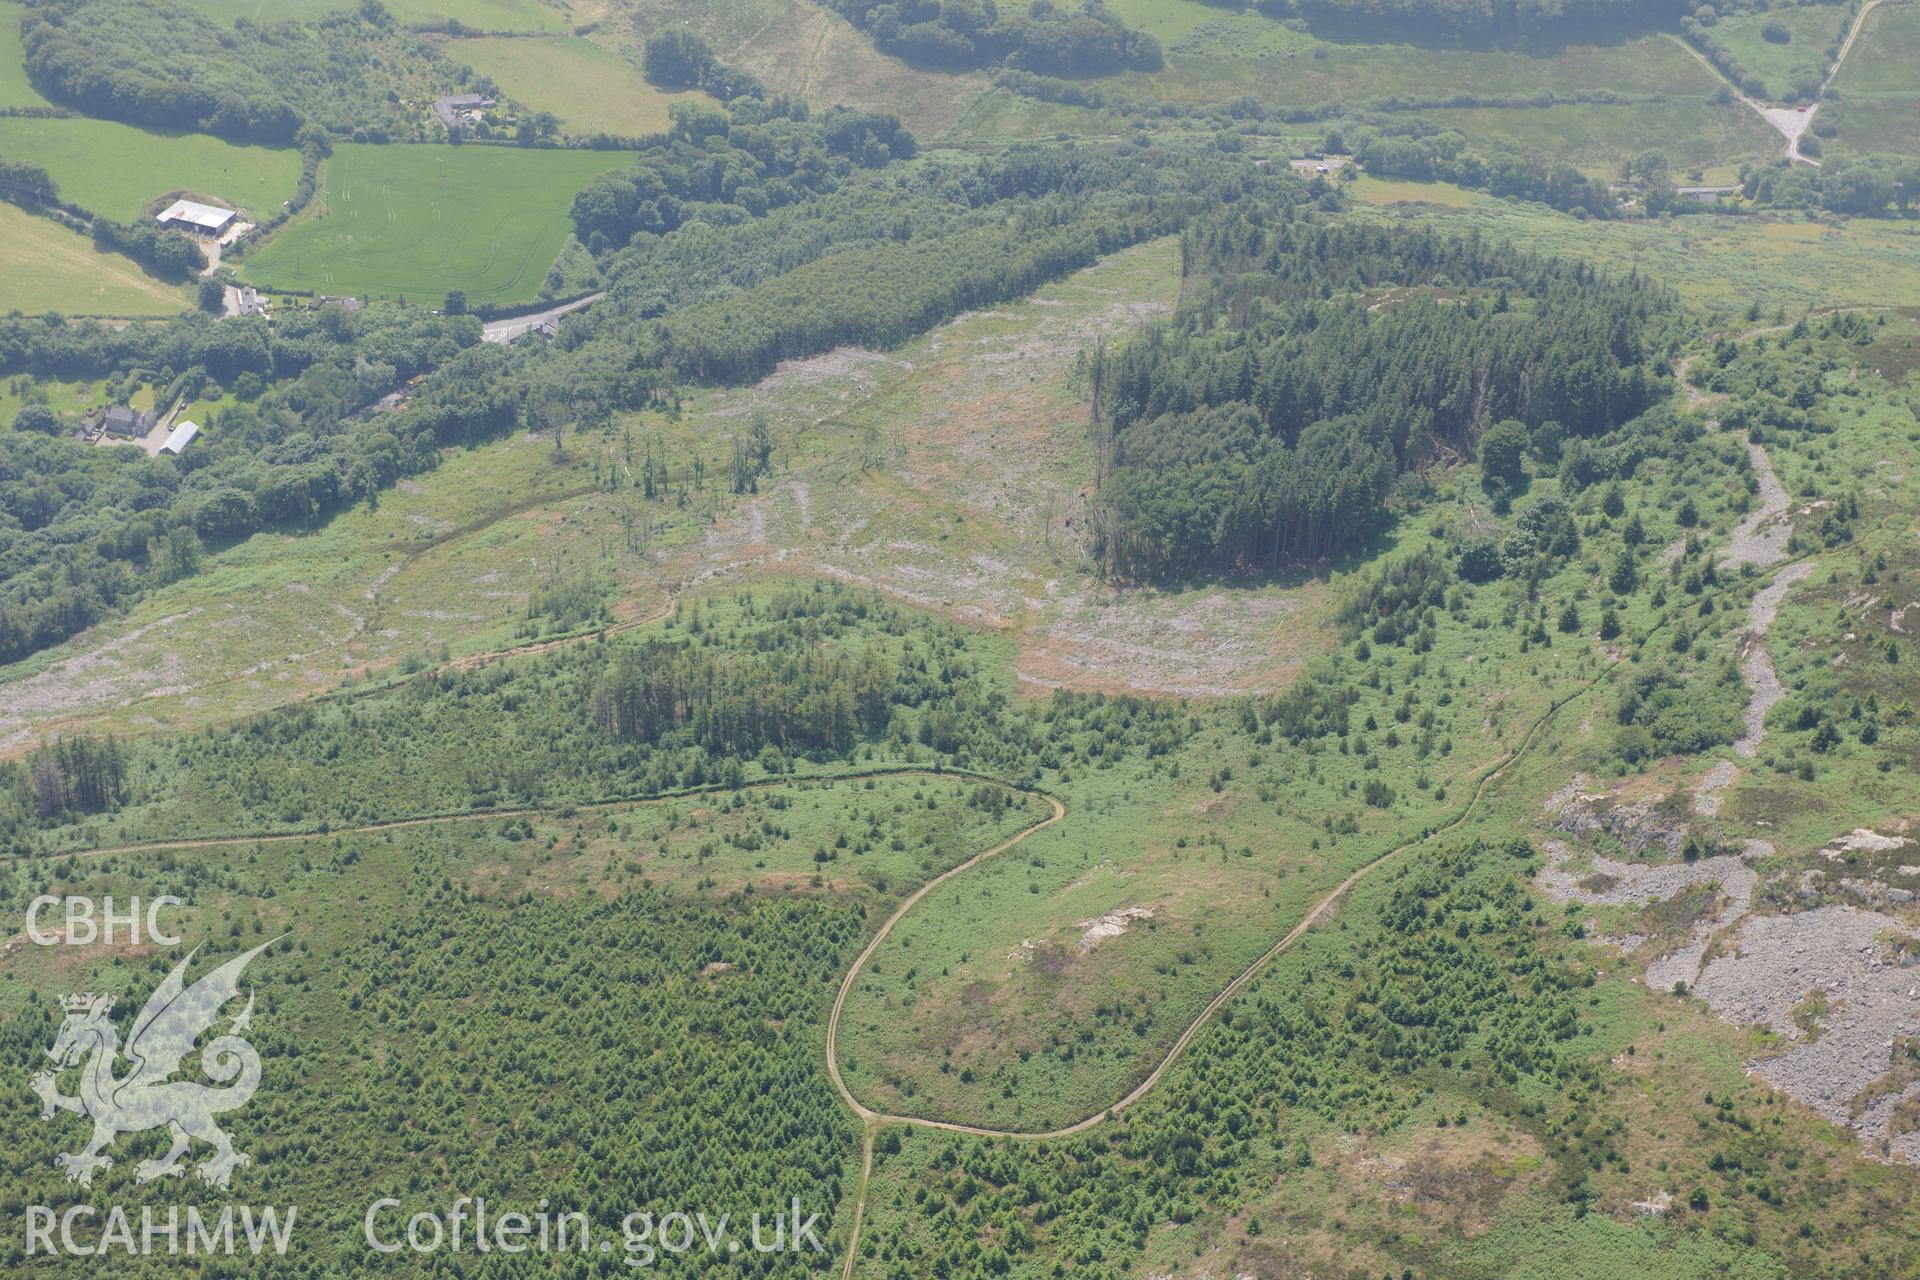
point(1268, 424)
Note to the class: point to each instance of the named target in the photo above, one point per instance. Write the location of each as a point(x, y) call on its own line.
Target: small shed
point(179, 438)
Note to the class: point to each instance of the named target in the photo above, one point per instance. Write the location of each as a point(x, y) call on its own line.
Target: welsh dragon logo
point(174, 1017)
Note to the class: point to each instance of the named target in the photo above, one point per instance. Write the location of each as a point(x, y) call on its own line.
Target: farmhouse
point(179, 438)
point(120, 420)
point(458, 108)
point(203, 219)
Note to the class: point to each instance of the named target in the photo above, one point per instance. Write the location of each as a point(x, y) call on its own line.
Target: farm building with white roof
point(191, 216)
point(180, 437)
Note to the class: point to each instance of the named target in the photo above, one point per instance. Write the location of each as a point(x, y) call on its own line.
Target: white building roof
point(200, 215)
point(180, 437)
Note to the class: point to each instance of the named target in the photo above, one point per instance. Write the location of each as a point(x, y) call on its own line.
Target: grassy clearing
point(14, 89)
point(443, 564)
point(480, 15)
point(1191, 27)
point(1805, 56)
point(46, 267)
point(1720, 261)
point(117, 170)
point(1698, 135)
point(416, 221)
point(1311, 71)
point(1877, 106)
point(1883, 55)
point(591, 89)
point(1000, 116)
point(1383, 191)
point(809, 52)
point(1884, 124)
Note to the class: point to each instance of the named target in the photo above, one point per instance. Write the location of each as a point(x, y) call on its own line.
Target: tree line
point(1048, 37)
point(725, 167)
point(1415, 149)
point(346, 73)
point(679, 59)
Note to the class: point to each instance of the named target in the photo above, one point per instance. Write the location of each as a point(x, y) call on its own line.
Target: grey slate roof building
point(122, 420)
point(453, 109)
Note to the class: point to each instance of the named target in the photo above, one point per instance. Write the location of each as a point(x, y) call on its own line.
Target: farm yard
point(117, 171)
point(417, 221)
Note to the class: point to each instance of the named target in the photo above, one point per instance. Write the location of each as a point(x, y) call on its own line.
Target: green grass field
point(1716, 260)
point(1698, 135)
point(1356, 72)
point(589, 88)
point(416, 221)
point(14, 89)
point(1877, 99)
point(1884, 54)
point(1780, 65)
point(46, 267)
point(482, 15)
point(116, 170)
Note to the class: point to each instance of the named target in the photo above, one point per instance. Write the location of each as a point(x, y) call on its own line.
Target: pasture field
point(1878, 107)
point(591, 89)
point(14, 89)
point(1389, 191)
point(1698, 135)
point(1003, 116)
point(116, 170)
point(1814, 27)
point(1721, 261)
point(1883, 55)
point(809, 52)
point(1195, 28)
point(416, 221)
point(1337, 71)
point(480, 15)
point(44, 266)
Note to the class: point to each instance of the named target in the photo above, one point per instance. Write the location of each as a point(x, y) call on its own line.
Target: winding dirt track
point(875, 1120)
